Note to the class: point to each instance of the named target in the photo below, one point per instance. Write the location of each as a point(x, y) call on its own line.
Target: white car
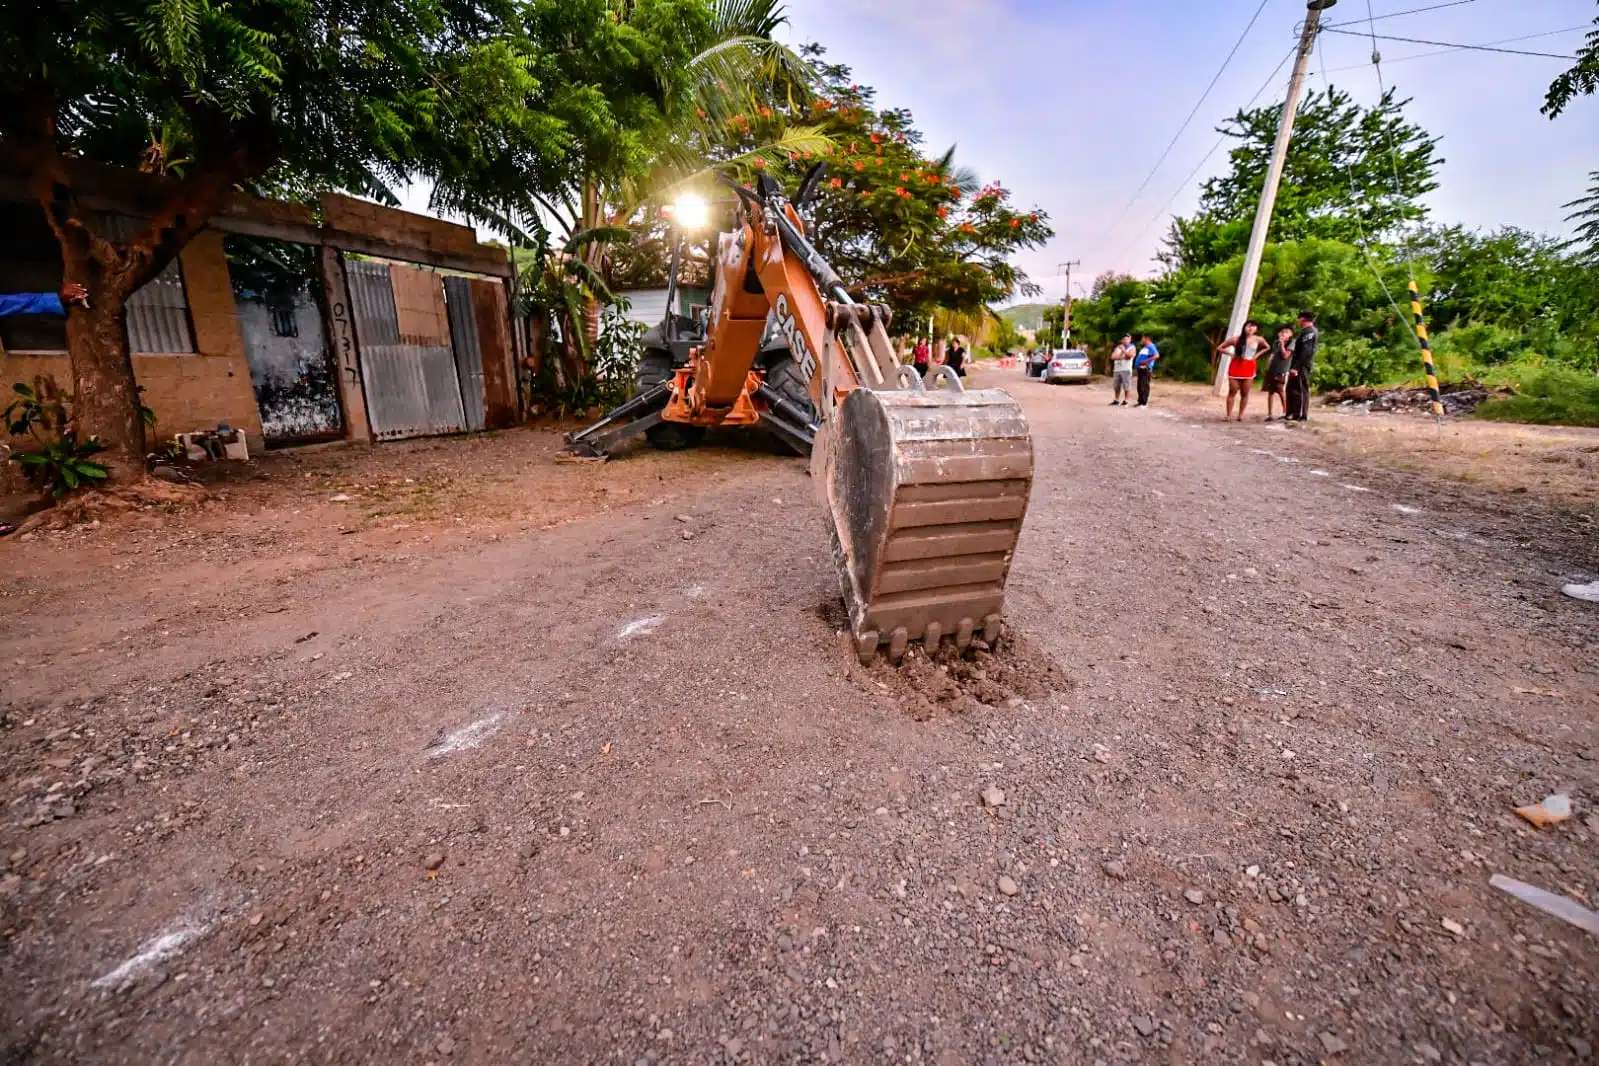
point(1068, 365)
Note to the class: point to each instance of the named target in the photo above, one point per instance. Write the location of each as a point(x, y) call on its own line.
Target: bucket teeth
point(927, 492)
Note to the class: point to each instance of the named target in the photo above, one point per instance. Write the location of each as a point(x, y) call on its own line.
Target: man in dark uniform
point(1302, 367)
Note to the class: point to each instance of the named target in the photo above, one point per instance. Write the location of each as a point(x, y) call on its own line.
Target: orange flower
point(1033, 217)
point(837, 183)
point(700, 111)
point(859, 165)
point(1015, 222)
point(904, 176)
point(760, 164)
point(943, 212)
point(956, 193)
point(899, 190)
point(877, 138)
point(766, 112)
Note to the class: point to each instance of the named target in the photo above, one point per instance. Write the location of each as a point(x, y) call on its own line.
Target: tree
point(1119, 306)
point(1585, 213)
point(1581, 80)
point(909, 230)
point(1508, 277)
point(295, 95)
point(1191, 310)
point(1050, 334)
point(1354, 174)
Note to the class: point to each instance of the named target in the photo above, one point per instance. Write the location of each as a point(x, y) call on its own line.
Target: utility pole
point(1066, 309)
point(1274, 178)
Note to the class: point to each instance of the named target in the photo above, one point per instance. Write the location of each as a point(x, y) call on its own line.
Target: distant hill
point(1025, 316)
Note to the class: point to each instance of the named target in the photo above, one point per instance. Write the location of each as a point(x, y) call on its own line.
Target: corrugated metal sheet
point(645, 306)
point(157, 316)
point(412, 390)
point(372, 299)
point(468, 354)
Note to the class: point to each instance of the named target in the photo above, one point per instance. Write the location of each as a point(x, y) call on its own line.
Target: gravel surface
point(609, 786)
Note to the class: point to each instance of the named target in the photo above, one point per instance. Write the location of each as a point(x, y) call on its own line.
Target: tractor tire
point(655, 367)
point(784, 378)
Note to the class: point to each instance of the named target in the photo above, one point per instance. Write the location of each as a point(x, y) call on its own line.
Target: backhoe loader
point(925, 482)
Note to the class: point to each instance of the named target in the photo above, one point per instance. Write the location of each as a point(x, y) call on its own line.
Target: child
point(1277, 371)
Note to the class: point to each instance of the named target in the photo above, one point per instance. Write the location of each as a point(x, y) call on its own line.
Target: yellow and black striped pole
point(1427, 364)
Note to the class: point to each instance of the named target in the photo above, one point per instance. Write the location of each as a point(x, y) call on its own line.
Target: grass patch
point(1550, 397)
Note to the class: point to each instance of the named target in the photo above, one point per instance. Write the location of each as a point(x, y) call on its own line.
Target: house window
point(284, 323)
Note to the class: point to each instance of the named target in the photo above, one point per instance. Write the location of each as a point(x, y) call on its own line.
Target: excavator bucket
point(927, 489)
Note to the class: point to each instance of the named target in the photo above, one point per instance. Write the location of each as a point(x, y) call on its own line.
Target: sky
point(1070, 102)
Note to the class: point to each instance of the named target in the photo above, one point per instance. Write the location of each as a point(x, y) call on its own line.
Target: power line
point(1396, 14)
point(1271, 78)
point(1184, 127)
point(1451, 46)
point(1455, 48)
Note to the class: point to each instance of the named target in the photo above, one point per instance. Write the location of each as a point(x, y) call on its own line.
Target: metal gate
point(413, 388)
point(468, 354)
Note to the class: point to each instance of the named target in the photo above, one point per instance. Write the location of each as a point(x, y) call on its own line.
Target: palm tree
point(663, 127)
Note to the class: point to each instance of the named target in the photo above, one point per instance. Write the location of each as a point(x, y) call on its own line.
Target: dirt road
point(585, 773)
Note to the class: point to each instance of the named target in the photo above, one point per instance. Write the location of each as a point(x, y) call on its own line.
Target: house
point(347, 321)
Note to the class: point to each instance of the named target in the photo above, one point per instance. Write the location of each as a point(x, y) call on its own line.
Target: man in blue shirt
point(1144, 366)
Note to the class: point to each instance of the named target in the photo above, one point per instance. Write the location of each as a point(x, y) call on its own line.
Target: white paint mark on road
point(153, 951)
point(641, 627)
point(465, 738)
point(1286, 459)
point(1263, 451)
point(1320, 473)
point(695, 592)
point(1356, 488)
point(1405, 508)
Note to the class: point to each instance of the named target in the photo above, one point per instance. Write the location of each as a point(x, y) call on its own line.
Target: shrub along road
point(493, 784)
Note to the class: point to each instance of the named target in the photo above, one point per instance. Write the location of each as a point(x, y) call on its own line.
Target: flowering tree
point(909, 230)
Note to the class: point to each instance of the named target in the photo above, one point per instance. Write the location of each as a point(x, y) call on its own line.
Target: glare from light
point(691, 211)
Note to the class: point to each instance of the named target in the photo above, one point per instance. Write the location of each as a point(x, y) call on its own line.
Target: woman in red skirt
point(1241, 368)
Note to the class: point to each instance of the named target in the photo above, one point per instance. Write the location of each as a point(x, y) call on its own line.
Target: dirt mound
point(949, 682)
point(1459, 397)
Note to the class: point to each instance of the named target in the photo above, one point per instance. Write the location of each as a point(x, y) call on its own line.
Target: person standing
point(922, 358)
point(1303, 367)
point(1245, 351)
point(1282, 353)
point(1144, 367)
point(1121, 372)
point(955, 359)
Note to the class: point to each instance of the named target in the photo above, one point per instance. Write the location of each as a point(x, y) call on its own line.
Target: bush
point(1552, 397)
point(1482, 346)
point(60, 462)
point(1357, 361)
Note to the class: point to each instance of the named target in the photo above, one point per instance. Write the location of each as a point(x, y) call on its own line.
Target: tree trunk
point(106, 398)
point(105, 402)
